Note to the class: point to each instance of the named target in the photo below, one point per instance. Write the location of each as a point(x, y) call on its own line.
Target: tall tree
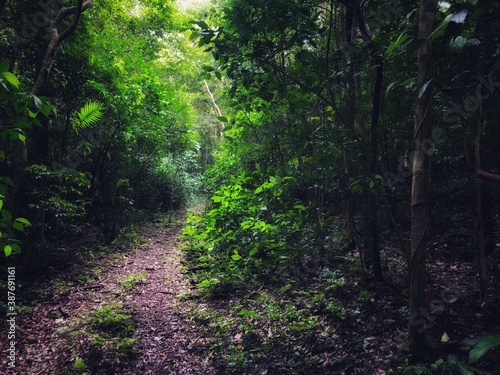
point(420, 179)
point(56, 38)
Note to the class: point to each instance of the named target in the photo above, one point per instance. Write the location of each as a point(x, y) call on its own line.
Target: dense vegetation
point(346, 151)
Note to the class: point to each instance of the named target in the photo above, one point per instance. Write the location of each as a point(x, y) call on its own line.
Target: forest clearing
point(250, 187)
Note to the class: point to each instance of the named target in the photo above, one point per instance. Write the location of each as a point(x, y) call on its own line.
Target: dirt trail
point(58, 334)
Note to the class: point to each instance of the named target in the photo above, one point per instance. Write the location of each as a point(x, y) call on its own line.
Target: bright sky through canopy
point(190, 4)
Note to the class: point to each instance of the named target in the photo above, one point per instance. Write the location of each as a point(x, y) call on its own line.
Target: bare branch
point(65, 12)
point(488, 176)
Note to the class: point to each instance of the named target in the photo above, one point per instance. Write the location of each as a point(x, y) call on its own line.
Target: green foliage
point(440, 365)
point(80, 365)
point(481, 345)
point(18, 111)
point(112, 319)
point(250, 228)
point(90, 114)
point(62, 192)
point(131, 281)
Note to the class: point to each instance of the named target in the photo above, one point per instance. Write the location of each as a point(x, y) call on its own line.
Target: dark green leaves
point(481, 346)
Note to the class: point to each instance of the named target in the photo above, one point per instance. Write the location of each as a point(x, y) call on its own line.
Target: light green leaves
point(89, 114)
point(398, 42)
point(11, 78)
point(7, 78)
point(7, 250)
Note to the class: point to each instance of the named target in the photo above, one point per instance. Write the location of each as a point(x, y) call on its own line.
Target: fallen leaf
point(445, 337)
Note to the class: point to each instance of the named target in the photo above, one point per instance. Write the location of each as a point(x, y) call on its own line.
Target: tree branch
point(213, 99)
point(488, 176)
point(56, 39)
point(65, 12)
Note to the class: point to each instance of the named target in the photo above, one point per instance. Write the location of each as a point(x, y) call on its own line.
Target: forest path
point(127, 317)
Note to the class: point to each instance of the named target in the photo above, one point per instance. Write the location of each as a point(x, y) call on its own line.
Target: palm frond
point(88, 115)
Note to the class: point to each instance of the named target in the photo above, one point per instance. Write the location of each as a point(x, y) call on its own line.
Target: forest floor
point(129, 309)
point(114, 313)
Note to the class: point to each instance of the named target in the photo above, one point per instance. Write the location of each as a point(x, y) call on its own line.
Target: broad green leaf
point(236, 256)
point(402, 37)
point(16, 249)
point(46, 108)
point(222, 118)
point(457, 44)
point(408, 81)
point(18, 226)
point(8, 181)
point(207, 68)
point(439, 31)
point(389, 88)
point(37, 101)
point(258, 190)
point(7, 250)
point(22, 220)
point(483, 347)
point(1, 204)
point(6, 215)
point(11, 78)
point(21, 137)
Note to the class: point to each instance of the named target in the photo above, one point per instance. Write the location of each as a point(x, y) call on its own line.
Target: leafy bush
point(18, 112)
point(250, 229)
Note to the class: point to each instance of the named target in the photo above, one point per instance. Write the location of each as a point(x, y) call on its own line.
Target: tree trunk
point(420, 183)
point(378, 65)
point(483, 211)
point(348, 106)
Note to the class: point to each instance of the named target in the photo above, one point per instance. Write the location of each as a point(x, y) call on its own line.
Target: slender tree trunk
point(348, 109)
point(482, 207)
point(378, 65)
point(420, 182)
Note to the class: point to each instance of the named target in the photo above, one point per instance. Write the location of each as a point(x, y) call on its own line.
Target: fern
point(88, 115)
